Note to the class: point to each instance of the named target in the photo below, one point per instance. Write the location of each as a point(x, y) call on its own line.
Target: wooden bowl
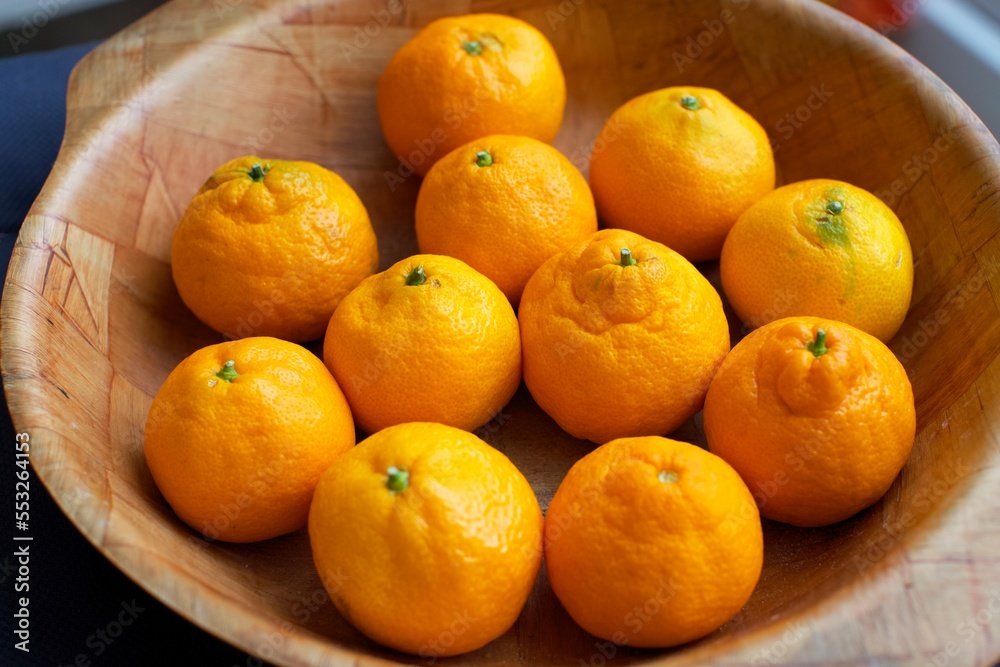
point(92, 324)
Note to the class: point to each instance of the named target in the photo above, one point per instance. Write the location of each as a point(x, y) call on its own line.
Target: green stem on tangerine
point(483, 159)
point(416, 276)
point(398, 479)
point(690, 103)
point(473, 48)
point(626, 258)
point(667, 476)
point(835, 208)
point(228, 371)
point(257, 173)
point(818, 347)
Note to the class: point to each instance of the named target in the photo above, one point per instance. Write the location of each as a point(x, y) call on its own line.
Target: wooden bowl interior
point(93, 324)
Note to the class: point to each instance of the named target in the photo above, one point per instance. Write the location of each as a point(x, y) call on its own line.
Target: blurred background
point(49, 24)
point(958, 39)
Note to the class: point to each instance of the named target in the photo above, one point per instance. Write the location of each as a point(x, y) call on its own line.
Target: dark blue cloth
point(82, 610)
point(32, 118)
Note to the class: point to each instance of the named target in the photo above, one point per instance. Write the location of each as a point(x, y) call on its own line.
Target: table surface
point(83, 611)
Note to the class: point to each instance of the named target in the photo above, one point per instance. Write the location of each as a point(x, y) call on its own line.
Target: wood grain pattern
point(91, 322)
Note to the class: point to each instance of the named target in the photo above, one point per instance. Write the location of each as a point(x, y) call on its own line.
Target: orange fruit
point(269, 248)
point(881, 14)
point(652, 542)
point(823, 248)
point(679, 166)
point(465, 77)
point(428, 539)
point(239, 434)
point(429, 339)
point(621, 337)
point(815, 415)
point(504, 205)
